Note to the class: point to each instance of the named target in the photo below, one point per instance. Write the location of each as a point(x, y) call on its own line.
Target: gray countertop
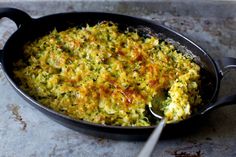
point(26, 132)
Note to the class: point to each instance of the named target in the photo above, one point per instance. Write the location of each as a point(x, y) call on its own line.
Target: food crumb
point(177, 153)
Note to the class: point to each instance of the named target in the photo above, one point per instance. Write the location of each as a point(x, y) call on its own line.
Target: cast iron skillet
point(30, 29)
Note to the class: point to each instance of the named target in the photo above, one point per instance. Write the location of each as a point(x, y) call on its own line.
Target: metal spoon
point(154, 137)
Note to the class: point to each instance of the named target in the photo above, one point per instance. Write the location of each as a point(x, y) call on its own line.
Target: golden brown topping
point(99, 74)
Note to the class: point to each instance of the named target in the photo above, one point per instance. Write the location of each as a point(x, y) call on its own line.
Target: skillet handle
point(18, 16)
point(224, 65)
point(1, 54)
point(227, 100)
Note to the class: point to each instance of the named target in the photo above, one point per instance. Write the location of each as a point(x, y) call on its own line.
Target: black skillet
point(30, 29)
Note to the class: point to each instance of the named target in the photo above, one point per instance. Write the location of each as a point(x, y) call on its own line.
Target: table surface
point(26, 132)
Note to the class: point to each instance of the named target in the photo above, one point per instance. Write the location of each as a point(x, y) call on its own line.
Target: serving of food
point(107, 76)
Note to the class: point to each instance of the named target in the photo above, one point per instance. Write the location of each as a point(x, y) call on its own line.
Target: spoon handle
point(152, 140)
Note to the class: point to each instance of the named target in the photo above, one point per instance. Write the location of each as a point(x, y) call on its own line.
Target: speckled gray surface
point(26, 132)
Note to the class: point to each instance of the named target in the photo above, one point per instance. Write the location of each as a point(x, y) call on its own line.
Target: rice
point(102, 75)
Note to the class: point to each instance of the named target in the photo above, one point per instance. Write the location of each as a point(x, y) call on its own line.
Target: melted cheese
point(99, 74)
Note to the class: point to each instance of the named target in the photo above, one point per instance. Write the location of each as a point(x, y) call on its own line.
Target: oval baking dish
point(30, 29)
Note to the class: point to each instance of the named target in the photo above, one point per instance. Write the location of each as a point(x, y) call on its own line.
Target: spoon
point(154, 137)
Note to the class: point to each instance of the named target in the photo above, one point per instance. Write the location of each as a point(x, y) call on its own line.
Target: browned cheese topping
point(99, 74)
